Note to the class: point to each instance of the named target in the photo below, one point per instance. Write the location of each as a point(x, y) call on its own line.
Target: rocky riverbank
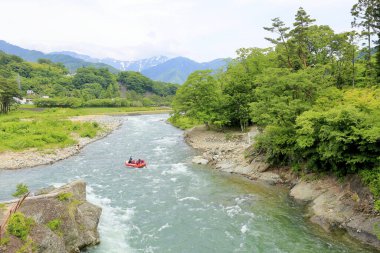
point(331, 204)
point(62, 221)
point(32, 157)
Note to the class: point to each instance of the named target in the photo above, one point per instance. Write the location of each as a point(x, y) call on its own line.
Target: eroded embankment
point(33, 157)
point(331, 204)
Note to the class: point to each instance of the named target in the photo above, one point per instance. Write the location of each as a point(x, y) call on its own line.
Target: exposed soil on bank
point(330, 204)
point(33, 157)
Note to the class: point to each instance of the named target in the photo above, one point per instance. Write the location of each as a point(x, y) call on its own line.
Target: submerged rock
point(63, 221)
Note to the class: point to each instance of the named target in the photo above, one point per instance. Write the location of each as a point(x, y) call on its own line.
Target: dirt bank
point(33, 157)
point(331, 204)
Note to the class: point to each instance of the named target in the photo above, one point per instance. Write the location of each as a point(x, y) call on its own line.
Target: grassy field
point(30, 127)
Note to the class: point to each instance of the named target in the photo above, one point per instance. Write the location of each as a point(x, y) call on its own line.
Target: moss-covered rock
point(78, 221)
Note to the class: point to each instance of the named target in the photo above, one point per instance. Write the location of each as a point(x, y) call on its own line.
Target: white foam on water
point(156, 180)
point(57, 185)
point(163, 227)
point(128, 214)
point(167, 140)
point(229, 235)
point(232, 210)
point(249, 214)
point(244, 229)
point(173, 179)
point(113, 227)
point(159, 150)
point(177, 169)
point(189, 198)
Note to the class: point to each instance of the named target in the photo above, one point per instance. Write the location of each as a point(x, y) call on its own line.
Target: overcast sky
point(133, 29)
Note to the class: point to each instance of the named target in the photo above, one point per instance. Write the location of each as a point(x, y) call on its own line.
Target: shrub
point(19, 225)
point(114, 102)
point(372, 179)
point(65, 196)
point(183, 122)
point(59, 102)
point(4, 240)
point(21, 189)
point(54, 225)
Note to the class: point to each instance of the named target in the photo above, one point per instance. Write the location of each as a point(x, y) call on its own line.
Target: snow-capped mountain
point(138, 65)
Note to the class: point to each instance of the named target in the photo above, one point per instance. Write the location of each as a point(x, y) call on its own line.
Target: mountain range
point(138, 65)
point(71, 63)
point(159, 68)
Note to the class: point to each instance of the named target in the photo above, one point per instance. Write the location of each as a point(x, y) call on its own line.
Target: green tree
point(344, 54)
point(279, 28)
point(366, 15)
point(135, 81)
point(199, 97)
point(8, 90)
point(21, 190)
point(300, 37)
point(341, 136)
point(101, 76)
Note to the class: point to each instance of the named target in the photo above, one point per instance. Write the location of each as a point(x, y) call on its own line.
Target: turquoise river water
point(173, 205)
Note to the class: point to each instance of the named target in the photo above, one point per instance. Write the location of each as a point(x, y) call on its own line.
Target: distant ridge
point(158, 68)
point(71, 63)
point(177, 70)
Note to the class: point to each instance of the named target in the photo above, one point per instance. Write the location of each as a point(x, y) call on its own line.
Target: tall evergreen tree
point(377, 30)
point(300, 36)
point(366, 17)
point(279, 28)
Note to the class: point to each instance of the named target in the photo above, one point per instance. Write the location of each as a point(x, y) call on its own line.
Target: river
point(173, 205)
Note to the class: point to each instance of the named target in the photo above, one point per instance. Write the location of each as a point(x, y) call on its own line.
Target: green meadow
point(52, 128)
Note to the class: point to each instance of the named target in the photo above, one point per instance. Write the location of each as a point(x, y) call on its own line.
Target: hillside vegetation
point(89, 87)
point(315, 96)
point(72, 63)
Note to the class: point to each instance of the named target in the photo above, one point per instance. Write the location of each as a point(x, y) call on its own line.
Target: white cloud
point(131, 29)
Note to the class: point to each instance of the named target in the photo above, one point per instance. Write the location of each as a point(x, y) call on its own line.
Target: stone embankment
point(32, 158)
point(331, 205)
point(76, 221)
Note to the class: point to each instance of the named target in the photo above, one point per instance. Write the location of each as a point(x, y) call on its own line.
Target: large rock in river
point(66, 206)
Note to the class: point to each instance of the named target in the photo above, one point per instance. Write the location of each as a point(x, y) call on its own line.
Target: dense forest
point(315, 96)
point(89, 86)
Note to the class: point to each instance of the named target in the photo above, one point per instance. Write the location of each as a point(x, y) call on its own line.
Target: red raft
point(134, 164)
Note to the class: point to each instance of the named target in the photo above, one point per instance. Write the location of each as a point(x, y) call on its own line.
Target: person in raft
point(130, 160)
point(138, 161)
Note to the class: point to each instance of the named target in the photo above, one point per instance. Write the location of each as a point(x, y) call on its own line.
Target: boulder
point(270, 178)
point(78, 220)
point(259, 164)
point(365, 229)
point(199, 160)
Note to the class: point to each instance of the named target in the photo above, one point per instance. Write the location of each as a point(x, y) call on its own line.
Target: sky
point(202, 30)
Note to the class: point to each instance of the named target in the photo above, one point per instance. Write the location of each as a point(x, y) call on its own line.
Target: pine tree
point(300, 35)
point(377, 30)
point(279, 28)
point(366, 17)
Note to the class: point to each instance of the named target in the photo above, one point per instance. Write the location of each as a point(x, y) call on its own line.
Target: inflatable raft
point(135, 165)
